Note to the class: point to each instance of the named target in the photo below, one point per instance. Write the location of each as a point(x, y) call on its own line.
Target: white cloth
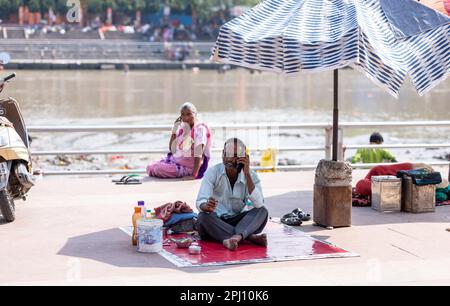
point(185, 140)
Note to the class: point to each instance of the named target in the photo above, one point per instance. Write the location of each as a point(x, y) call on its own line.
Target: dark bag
point(183, 226)
point(421, 177)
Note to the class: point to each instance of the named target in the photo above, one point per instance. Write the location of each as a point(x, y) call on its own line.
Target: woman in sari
point(190, 148)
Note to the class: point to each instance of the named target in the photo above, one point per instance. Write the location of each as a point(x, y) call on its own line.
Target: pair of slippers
point(295, 218)
point(132, 179)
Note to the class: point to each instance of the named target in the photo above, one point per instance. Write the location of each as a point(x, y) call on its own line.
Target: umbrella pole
point(335, 113)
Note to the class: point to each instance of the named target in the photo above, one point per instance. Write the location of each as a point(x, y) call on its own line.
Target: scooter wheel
point(7, 207)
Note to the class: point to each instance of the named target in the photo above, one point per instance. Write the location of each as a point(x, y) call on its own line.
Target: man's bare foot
point(258, 239)
point(232, 243)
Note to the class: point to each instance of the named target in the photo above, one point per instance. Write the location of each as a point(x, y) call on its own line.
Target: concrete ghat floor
point(67, 234)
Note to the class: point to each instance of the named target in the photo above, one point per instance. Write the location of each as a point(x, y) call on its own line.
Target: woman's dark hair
point(376, 137)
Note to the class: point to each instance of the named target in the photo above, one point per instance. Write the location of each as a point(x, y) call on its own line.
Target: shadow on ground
point(3, 221)
point(114, 247)
point(361, 216)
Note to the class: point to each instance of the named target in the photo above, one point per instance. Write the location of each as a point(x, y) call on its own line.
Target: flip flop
point(291, 219)
point(124, 178)
point(130, 181)
point(301, 214)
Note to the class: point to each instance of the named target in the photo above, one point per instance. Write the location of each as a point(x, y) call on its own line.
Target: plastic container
point(195, 249)
point(150, 236)
point(269, 158)
point(149, 214)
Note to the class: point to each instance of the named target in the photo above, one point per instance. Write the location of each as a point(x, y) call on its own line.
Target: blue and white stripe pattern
point(297, 36)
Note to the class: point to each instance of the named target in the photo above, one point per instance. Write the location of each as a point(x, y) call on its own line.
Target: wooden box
point(417, 199)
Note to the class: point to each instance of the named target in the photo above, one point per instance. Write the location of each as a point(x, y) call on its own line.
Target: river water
point(238, 96)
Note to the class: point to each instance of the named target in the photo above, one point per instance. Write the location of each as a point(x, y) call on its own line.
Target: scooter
point(15, 157)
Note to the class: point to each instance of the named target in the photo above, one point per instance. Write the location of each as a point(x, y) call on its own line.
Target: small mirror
point(4, 58)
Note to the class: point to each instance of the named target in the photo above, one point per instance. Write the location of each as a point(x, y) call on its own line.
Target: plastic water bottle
point(248, 205)
point(141, 204)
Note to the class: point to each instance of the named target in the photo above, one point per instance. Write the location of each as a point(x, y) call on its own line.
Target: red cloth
point(364, 186)
point(165, 211)
point(445, 203)
point(360, 200)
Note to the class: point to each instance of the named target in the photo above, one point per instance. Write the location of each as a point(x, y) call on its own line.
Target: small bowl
point(195, 249)
point(183, 243)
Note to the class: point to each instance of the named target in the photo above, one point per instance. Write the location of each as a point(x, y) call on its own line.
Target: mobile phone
point(239, 167)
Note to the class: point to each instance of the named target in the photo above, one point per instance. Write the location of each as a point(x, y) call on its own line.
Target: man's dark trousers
point(210, 226)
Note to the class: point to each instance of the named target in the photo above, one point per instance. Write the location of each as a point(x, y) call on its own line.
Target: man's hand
point(246, 162)
point(209, 206)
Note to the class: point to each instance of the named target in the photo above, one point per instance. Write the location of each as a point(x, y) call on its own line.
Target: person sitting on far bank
point(373, 155)
point(230, 200)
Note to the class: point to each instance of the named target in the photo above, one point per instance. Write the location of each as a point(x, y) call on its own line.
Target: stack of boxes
point(390, 193)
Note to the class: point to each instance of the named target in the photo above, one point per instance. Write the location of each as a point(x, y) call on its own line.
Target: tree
point(200, 9)
point(61, 6)
point(8, 7)
point(34, 6)
point(206, 8)
point(4, 5)
point(95, 6)
point(47, 4)
point(140, 5)
point(125, 6)
point(109, 4)
point(246, 2)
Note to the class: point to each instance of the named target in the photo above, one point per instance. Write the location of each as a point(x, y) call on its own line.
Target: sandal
point(291, 219)
point(130, 180)
point(125, 177)
point(301, 214)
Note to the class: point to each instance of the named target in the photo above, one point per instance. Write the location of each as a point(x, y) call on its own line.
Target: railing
point(282, 126)
point(30, 51)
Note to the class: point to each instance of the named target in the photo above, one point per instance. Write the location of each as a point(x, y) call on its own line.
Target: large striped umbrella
point(385, 39)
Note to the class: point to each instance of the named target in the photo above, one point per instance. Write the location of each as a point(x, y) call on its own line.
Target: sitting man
point(230, 200)
point(373, 155)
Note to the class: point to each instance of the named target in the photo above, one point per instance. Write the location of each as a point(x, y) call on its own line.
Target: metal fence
point(91, 51)
point(326, 148)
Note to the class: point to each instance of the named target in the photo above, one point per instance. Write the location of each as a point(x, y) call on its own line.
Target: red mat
point(284, 243)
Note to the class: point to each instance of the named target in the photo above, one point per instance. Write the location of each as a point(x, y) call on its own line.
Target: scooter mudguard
point(5, 169)
point(24, 177)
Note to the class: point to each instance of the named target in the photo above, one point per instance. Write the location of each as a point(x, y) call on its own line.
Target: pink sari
point(181, 163)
